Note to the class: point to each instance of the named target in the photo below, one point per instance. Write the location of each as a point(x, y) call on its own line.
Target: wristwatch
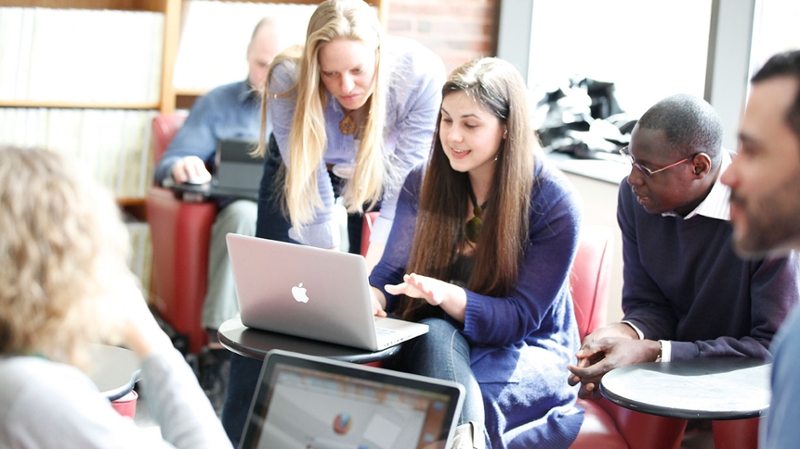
point(660, 350)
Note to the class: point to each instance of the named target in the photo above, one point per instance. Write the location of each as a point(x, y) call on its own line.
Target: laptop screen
point(236, 168)
point(316, 403)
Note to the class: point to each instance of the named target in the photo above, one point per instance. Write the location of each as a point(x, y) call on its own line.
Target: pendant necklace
point(473, 227)
point(347, 126)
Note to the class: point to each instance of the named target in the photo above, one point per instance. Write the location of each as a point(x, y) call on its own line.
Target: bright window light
point(649, 49)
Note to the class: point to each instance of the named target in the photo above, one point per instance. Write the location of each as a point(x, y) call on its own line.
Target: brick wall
point(457, 30)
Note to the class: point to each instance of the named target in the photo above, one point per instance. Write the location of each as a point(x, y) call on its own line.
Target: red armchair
point(180, 233)
point(606, 425)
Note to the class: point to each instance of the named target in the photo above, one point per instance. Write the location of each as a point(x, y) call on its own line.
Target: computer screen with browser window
point(310, 402)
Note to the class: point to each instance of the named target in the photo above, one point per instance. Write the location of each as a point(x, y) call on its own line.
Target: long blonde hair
point(333, 19)
point(63, 252)
point(440, 236)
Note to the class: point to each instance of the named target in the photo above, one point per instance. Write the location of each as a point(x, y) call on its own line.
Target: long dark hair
point(443, 206)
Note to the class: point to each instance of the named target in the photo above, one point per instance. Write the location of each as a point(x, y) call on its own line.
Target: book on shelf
point(113, 143)
point(140, 262)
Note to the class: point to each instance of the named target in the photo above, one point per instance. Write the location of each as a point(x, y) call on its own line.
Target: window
point(650, 50)
point(774, 30)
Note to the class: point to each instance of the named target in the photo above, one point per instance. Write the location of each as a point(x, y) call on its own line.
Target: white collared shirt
point(716, 204)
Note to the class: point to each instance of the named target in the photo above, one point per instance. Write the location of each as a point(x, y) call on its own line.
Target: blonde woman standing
point(352, 112)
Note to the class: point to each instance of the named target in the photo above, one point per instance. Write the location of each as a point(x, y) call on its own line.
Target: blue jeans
point(442, 353)
point(244, 372)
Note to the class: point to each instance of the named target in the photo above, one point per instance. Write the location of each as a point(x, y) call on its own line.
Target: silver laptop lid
point(303, 291)
point(312, 402)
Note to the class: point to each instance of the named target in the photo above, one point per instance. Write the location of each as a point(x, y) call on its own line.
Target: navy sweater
point(684, 283)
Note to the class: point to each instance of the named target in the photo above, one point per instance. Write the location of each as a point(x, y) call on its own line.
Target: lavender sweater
point(520, 344)
point(413, 99)
point(683, 283)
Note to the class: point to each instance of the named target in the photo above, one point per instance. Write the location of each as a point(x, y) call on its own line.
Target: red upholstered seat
point(736, 434)
point(180, 233)
point(607, 425)
point(590, 278)
point(599, 431)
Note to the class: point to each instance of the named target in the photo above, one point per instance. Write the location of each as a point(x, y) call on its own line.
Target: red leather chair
point(590, 278)
point(180, 233)
point(606, 425)
point(736, 434)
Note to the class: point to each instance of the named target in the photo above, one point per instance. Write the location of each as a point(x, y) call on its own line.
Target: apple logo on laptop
point(299, 293)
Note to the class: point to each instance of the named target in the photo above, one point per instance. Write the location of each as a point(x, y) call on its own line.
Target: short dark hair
point(784, 64)
point(691, 125)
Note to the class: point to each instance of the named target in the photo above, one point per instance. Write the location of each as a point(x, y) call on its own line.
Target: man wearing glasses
point(765, 206)
point(686, 294)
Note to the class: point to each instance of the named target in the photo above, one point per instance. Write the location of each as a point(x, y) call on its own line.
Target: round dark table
point(715, 388)
point(255, 343)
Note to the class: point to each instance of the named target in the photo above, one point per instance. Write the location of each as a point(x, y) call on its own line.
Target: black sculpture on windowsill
point(583, 119)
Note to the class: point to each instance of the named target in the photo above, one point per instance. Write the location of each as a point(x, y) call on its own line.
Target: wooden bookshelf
point(126, 5)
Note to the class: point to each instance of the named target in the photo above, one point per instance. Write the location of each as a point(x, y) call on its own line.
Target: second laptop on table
point(312, 293)
point(311, 402)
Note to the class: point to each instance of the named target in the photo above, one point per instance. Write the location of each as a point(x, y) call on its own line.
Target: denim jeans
point(242, 382)
point(442, 353)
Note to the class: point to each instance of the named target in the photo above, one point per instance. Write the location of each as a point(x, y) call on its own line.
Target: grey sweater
point(45, 404)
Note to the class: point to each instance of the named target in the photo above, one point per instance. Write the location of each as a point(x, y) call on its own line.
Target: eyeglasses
point(646, 171)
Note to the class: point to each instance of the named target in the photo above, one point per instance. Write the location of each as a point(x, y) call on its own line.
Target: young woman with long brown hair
point(480, 250)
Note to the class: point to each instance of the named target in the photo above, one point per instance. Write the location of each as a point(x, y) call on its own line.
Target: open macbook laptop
point(311, 402)
point(310, 292)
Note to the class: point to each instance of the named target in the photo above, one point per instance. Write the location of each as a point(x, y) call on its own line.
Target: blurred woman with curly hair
point(64, 284)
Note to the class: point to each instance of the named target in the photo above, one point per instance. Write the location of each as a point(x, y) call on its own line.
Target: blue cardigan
point(520, 344)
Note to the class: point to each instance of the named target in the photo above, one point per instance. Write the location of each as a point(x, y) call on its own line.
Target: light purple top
point(413, 102)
